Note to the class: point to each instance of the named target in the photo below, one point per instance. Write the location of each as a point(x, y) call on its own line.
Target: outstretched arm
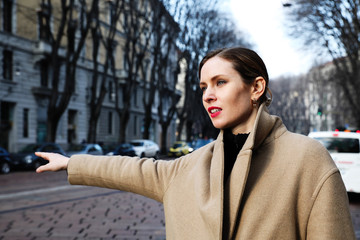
point(57, 162)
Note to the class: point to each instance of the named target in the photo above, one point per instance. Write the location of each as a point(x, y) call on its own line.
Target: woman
point(256, 181)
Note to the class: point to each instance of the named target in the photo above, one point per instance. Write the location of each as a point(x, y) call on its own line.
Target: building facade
point(25, 82)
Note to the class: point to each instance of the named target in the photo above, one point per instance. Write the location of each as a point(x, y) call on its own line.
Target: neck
point(246, 126)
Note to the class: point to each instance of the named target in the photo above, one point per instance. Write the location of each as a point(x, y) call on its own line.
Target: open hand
point(57, 162)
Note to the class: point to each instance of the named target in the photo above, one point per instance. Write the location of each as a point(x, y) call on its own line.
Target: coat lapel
point(221, 207)
point(234, 191)
point(211, 195)
point(235, 186)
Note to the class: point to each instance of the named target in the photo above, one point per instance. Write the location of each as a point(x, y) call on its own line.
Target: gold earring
point(254, 102)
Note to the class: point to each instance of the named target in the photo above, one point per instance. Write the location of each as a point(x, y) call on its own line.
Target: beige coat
point(282, 186)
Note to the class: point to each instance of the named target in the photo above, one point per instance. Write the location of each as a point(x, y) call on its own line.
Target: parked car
point(145, 148)
point(125, 149)
point(344, 148)
point(5, 161)
point(85, 148)
point(107, 148)
point(180, 148)
point(26, 158)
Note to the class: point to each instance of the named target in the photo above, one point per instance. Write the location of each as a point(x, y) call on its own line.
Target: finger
point(41, 169)
point(41, 154)
point(45, 155)
point(47, 168)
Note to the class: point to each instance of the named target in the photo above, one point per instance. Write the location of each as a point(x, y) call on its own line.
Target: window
point(340, 145)
point(112, 12)
point(135, 125)
point(44, 73)
point(7, 64)
point(44, 22)
point(135, 97)
point(111, 92)
point(26, 123)
point(110, 123)
point(7, 15)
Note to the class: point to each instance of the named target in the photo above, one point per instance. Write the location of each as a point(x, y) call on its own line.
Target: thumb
point(40, 169)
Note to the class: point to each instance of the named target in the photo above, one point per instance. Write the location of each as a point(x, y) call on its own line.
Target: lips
point(214, 111)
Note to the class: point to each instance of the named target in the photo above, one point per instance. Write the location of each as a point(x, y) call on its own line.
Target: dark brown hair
point(245, 61)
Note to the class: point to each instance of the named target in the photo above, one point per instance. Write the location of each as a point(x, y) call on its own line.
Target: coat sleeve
point(146, 177)
point(330, 216)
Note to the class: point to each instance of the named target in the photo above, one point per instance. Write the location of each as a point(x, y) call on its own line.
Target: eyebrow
point(214, 78)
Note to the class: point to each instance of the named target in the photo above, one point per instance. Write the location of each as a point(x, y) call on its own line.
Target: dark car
point(124, 149)
point(107, 148)
point(26, 158)
point(200, 143)
point(5, 161)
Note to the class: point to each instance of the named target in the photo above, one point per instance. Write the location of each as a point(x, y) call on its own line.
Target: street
point(46, 206)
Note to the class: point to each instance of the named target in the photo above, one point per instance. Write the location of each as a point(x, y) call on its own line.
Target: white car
point(344, 148)
point(85, 148)
point(145, 148)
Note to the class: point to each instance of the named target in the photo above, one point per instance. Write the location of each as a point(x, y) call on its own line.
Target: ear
point(258, 88)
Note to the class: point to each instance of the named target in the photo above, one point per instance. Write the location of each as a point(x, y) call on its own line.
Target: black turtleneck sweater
point(232, 146)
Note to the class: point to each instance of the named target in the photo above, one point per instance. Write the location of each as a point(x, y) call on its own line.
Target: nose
point(209, 95)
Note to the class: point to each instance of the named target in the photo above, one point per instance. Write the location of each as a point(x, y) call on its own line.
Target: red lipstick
point(214, 111)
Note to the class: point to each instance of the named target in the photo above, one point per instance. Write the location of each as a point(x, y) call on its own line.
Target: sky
point(264, 22)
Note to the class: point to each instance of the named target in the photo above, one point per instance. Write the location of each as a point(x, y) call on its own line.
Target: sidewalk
point(80, 213)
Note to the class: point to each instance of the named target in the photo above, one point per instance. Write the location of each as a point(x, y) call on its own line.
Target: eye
point(203, 86)
point(220, 82)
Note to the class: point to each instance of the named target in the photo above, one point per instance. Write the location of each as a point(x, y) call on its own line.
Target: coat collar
point(234, 189)
point(263, 125)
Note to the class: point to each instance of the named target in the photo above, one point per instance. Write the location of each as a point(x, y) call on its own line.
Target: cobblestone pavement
point(53, 211)
point(44, 206)
point(355, 213)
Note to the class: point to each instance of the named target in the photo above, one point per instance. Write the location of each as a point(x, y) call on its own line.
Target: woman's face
point(226, 97)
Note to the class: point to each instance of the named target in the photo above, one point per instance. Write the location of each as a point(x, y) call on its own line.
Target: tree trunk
point(124, 119)
point(51, 128)
point(163, 140)
point(91, 137)
point(179, 128)
point(189, 130)
point(147, 122)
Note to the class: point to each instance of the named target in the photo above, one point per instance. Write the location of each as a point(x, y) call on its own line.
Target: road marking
point(45, 204)
point(39, 191)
